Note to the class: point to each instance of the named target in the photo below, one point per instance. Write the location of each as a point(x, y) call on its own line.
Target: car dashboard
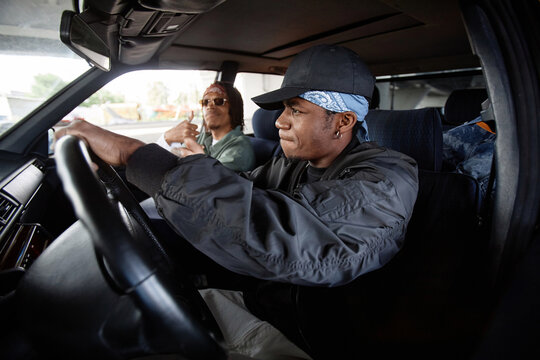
point(33, 211)
point(21, 242)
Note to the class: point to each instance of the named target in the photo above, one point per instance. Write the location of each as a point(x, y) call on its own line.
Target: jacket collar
point(237, 131)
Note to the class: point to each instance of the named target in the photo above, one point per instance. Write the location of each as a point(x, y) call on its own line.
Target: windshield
point(145, 103)
point(34, 63)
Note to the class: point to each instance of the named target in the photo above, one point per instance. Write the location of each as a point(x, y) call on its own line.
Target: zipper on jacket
point(344, 172)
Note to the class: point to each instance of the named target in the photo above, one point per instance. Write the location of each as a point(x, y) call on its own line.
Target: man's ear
point(347, 120)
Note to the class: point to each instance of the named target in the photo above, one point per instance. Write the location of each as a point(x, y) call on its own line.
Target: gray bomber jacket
point(266, 225)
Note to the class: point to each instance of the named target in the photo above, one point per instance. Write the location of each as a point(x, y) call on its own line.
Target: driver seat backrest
point(426, 298)
point(417, 133)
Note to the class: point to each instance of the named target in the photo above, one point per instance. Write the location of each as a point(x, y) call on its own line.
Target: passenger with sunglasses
point(222, 137)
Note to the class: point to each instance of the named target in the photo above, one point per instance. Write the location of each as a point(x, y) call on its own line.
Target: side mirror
point(83, 41)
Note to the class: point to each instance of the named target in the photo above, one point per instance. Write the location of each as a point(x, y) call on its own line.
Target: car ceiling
point(393, 37)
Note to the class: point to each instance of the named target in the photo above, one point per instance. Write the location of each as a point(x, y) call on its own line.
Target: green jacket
point(233, 150)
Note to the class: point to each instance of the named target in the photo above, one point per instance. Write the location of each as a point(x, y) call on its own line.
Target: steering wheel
point(121, 234)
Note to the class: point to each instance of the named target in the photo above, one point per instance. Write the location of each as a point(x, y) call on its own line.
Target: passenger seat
point(265, 141)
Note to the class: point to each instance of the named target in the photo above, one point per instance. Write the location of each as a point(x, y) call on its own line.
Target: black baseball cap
point(321, 67)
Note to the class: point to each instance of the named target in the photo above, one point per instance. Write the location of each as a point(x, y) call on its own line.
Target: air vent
point(7, 209)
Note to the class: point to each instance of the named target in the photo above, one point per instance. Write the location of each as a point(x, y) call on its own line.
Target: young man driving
point(334, 207)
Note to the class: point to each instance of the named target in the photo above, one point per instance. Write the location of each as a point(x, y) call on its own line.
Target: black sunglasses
point(216, 101)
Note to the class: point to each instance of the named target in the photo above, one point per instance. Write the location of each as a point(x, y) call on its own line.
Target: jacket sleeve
point(329, 233)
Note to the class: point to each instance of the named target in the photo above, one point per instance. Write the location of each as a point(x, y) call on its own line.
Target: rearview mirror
point(83, 41)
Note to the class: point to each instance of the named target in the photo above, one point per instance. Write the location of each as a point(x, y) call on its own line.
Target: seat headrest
point(375, 99)
point(464, 105)
point(417, 133)
point(263, 122)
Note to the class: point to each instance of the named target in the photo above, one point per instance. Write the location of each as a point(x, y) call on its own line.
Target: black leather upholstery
point(417, 133)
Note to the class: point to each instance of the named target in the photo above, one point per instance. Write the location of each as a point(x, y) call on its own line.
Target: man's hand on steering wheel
point(113, 148)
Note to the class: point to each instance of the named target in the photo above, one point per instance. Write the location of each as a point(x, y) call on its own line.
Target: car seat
point(375, 99)
point(430, 297)
point(463, 105)
point(417, 133)
point(265, 141)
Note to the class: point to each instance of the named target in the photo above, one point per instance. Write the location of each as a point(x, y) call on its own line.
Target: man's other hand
point(191, 147)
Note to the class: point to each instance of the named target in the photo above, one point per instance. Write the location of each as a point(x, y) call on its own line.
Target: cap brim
point(274, 99)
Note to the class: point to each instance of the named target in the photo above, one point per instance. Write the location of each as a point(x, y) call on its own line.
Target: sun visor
point(181, 6)
point(134, 51)
point(134, 32)
point(176, 6)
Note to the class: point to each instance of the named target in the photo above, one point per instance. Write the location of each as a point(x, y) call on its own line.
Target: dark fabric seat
point(264, 149)
point(432, 292)
point(428, 298)
point(417, 133)
point(463, 105)
point(263, 122)
point(265, 141)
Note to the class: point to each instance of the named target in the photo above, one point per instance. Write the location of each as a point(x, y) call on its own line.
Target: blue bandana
point(341, 102)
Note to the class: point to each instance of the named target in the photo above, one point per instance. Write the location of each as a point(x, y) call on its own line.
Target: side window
point(422, 90)
point(143, 104)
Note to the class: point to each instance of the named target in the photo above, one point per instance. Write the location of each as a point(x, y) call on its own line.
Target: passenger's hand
point(113, 148)
point(181, 132)
point(191, 147)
